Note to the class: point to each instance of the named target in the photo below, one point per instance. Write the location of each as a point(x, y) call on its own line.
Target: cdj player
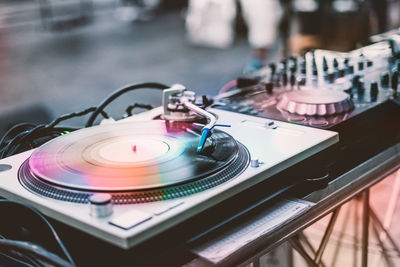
point(146, 184)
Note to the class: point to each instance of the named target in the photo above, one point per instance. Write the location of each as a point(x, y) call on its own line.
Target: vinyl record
point(133, 159)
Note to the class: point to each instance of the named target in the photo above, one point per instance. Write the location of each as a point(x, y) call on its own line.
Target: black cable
point(40, 131)
point(32, 136)
point(17, 139)
point(18, 260)
point(4, 151)
point(17, 142)
point(120, 92)
point(129, 109)
point(75, 114)
point(32, 253)
point(53, 231)
point(11, 132)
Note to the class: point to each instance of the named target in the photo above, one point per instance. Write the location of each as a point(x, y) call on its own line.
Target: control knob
point(335, 63)
point(100, 205)
point(360, 66)
point(374, 91)
point(385, 79)
point(324, 64)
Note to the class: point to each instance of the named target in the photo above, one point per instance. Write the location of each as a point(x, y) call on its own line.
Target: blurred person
point(137, 10)
point(380, 8)
point(211, 23)
point(262, 18)
point(329, 24)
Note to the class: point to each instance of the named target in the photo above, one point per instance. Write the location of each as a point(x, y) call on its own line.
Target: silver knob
point(100, 205)
point(255, 163)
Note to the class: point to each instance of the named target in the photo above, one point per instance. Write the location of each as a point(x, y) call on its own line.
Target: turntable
point(129, 181)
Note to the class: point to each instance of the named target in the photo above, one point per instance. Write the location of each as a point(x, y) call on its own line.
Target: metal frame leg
point(384, 250)
point(303, 239)
point(392, 204)
point(295, 243)
point(388, 235)
point(367, 215)
point(317, 261)
point(325, 238)
point(356, 233)
point(307, 244)
point(365, 229)
point(351, 208)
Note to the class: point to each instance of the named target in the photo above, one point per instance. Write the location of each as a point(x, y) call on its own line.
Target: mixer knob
point(374, 91)
point(331, 77)
point(346, 61)
point(351, 69)
point(358, 84)
point(315, 71)
point(324, 64)
point(360, 88)
point(100, 205)
point(370, 63)
point(360, 65)
point(335, 63)
point(356, 81)
point(314, 66)
point(385, 79)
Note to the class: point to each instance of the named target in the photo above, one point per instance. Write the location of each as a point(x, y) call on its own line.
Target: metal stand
point(369, 218)
point(365, 229)
point(353, 185)
point(317, 259)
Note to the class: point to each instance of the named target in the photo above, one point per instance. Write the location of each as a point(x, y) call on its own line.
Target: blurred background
point(61, 56)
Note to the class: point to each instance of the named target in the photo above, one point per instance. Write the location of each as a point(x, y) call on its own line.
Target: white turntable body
point(273, 146)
